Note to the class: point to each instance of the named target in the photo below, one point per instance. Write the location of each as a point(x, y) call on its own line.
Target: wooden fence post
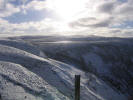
point(77, 87)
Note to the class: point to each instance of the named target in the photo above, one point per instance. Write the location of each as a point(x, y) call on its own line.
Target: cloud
point(2, 4)
point(92, 22)
point(124, 9)
point(26, 27)
point(7, 9)
point(103, 23)
point(37, 5)
point(104, 17)
point(107, 7)
point(107, 15)
point(45, 26)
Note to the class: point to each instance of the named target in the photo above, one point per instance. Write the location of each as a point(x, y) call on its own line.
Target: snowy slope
point(22, 45)
point(110, 59)
point(26, 75)
point(17, 83)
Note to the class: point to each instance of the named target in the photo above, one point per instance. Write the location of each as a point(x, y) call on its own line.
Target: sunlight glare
point(67, 9)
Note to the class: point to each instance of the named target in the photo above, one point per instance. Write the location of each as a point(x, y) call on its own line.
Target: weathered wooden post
point(77, 87)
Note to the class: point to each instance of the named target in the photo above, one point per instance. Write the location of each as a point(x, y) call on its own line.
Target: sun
point(67, 10)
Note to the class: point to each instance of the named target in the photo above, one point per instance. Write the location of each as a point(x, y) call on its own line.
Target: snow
point(25, 74)
point(92, 88)
point(108, 58)
point(96, 61)
point(17, 82)
point(22, 45)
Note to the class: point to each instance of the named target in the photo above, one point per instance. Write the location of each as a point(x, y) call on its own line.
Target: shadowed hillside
point(111, 59)
point(25, 74)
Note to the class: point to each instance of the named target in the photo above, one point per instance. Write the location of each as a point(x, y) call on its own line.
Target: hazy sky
point(66, 17)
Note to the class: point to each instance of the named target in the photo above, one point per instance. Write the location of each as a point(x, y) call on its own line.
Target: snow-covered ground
point(26, 73)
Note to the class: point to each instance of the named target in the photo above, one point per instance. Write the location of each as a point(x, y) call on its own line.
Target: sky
point(66, 17)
